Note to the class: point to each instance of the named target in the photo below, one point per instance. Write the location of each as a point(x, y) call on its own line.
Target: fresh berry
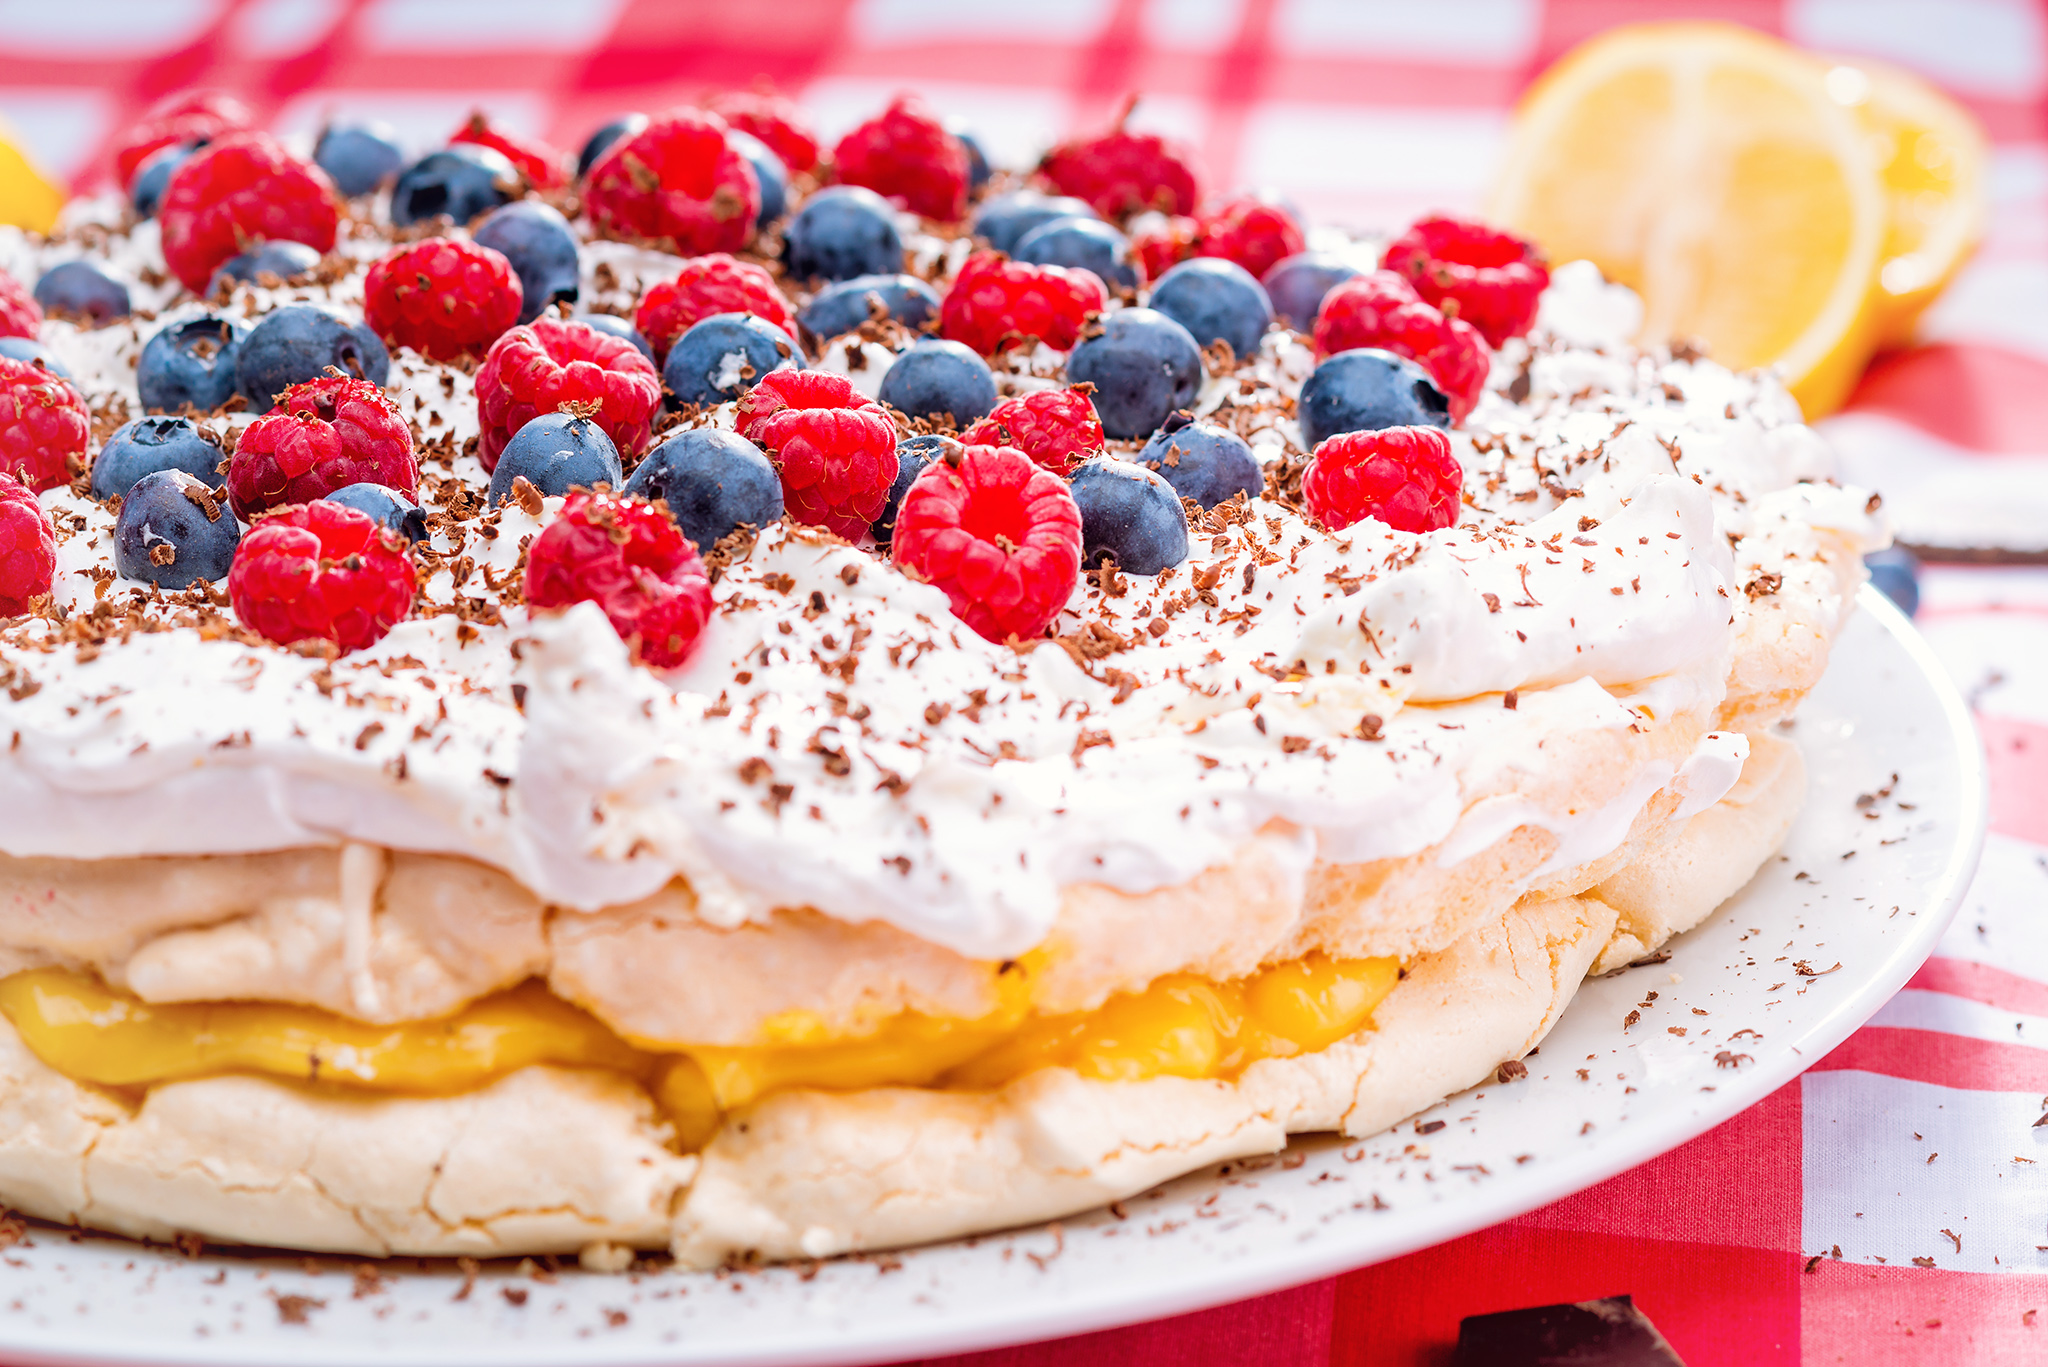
point(623, 555)
point(393, 510)
point(842, 307)
point(321, 571)
point(598, 143)
point(82, 290)
point(842, 232)
point(241, 189)
point(1895, 573)
point(280, 261)
point(1251, 230)
point(1216, 301)
point(1143, 365)
point(1203, 462)
point(978, 167)
point(173, 532)
point(28, 547)
point(998, 533)
point(324, 435)
point(912, 455)
point(538, 242)
point(1003, 221)
point(538, 162)
point(147, 193)
point(1496, 278)
point(995, 304)
point(905, 153)
point(723, 356)
point(301, 342)
point(147, 446)
point(774, 120)
point(1130, 517)
point(717, 283)
point(30, 350)
point(1088, 243)
point(458, 182)
point(940, 379)
point(1055, 427)
point(835, 448)
point(1366, 390)
point(1405, 477)
point(1297, 286)
point(1382, 310)
point(443, 297)
point(20, 314)
point(192, 116)
point(1161, 249)
point(713, 481)
point(676, 184)
point(555, 453)
point(44, 425)
point(614, 326)
point(769, 172)
point(539, 367)
point(358, 157)
point(1124, 173)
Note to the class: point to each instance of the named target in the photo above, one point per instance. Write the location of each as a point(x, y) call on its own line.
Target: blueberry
point(713, 480)
point(1364, 391)
point(1143, 365)
point(29, 349)
point(769, 170)
point(842, 232)
point(1130, 516)
point(83, 289)
point(556, 452)
point(1297, 284)
point(282, 260)
point(624, 126)
point(936, 378)
point(536, 239)
point(172, 531)
point(720, 357)
point(190, 362)
point(358, 157)
point(297, 343)
point(913, 454)
point(977, 157)
point(840, 308)
point(390, 507)
point(148, 445)
point(1086, 242)
point(1215, 299)
point(1895, 572)
point(1203, 462)
point(618, 327)
point(1006, 218)
point(154, 174)
point(460, 181)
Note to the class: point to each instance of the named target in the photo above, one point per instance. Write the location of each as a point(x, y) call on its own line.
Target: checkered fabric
point(1365, 112)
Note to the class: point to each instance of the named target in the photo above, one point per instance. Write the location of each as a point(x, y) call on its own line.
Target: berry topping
point(940, 380)
point(35, 353)
point(173, 532)
point(393, 510)
point(769, 171)
point(713, 481)
point(1365, 390)
point(676, 184)
point(443, 297)
point(20, 314)
point(190, 362)
point(1216, 301)
point(301, 342)
point(1143, 365)
point(1203, 462)
point(1405, 477)
point(996, 304)
point(614, 326)
point(358, 157)
point(148, 445)
point(722, 357)
point(82, 290)
point(1297, 286)
point(835, 448)
point(841, 308)
point(538, 162)
point(1251, 230)
point(459, 182)
point(906, 154)
point(44, 425)
point(1085, 242)
point(192, 116)
point(1382, 310)
point(555, 453)
point(773, 119)
point(147, 193)
point(1160, 250)
point(1123, 173)
point(325, 434)
point(538, 242)
point(550, 362)
point(841, 232)
point(625, 556)
point(1130, 517)
point(717, 283)
point(978, 167)
point(1055, 427)
point(238, 190)
point(999, 533)
point(321, 571)
point(1004, 220)
point(1495, 278)
point(600, 142)
point(268, 264)
point(912, 455)
point(28, 547)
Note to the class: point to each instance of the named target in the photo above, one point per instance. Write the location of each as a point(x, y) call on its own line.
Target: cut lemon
point(1708, 167)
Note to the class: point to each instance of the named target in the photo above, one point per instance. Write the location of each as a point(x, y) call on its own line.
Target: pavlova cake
point(685, 706)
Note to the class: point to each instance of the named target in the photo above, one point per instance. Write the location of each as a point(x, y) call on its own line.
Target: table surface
point(1888, 1207)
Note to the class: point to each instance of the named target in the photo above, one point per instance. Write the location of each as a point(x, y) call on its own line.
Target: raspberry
point(1381, 310)
point(1124, 173)
point(444, 298)
point(717, 283)
point(676, 184)
point(996, 302)
point(774, 120)
point(242, 189)
point(28, 547)
point(1405, 477)
point(999, 533)
point(537, 368)
point(189, 116)
point(1495, 278)
point(906, 154)
point(1055, 427)
point(20, 314)
point(321, 571)
point(1254, 232)
point(44, 424)
point(1159, 252)
point(325, 434)
point(834, 447)
point(626, 556)
point(541, 164)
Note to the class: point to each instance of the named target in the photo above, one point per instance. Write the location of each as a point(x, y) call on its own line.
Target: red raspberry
point(835, 448)
point(1055, 427)
point(999, 533)
point(774, 120)
point(323, 435)
point(906, 154)
point(996, 303)
point(20, 314)
point(189, 116)
point(537, 368)
point(1159, 252)
point(321, 572)
point(28, 547)
point(1253, 232)
point(717, 283)
point(1124, 173)
point(44, 423)
point(676, 184)
point(1495, 278)
point(626, 556)
point(443, 297)
point(1405, 477)
point(542, 165)
point(1380, 309)
point(242, 189)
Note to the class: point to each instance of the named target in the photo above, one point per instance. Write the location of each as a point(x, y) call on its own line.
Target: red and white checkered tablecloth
point(1365, 112)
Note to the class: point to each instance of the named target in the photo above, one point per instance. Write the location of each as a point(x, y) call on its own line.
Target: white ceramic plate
point(1868, 887)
